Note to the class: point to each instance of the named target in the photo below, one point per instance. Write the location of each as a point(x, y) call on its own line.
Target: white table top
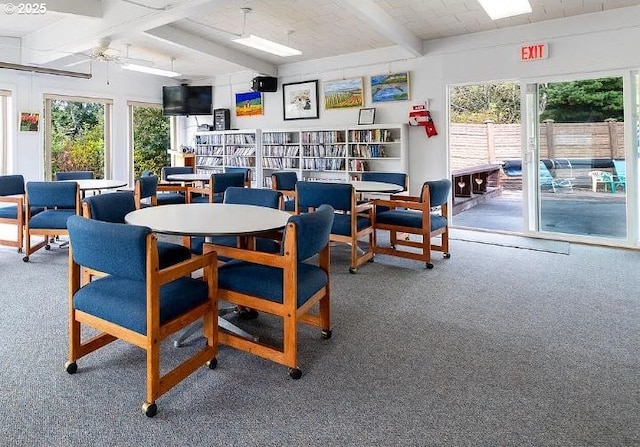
point(209, 219)
point(193, 177)
point(369, 186)
point(93, 184)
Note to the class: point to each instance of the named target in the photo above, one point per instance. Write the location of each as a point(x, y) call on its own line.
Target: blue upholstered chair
point(247, 172)
point(285, 182)
point(286, 284)
point(60, 200)
point(396, 178)
point(74, 175)
point(146, 188)
point(12, 207)
point(245, 196)
point(113, 207)
point(214, 191)
point(352, 221)
point(172, 192)
point(424, 216)
point(136, 301)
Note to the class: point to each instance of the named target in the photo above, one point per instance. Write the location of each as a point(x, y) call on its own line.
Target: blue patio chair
point(136, 300)
point(352, 221)
point(620, 177)
point(424, 216)
point(247, 172)
point(59, 201)
point(285, 183)
point(214, 191)
point(287, 284)
point(113, 207)
point(12, 207)
point(547, 181)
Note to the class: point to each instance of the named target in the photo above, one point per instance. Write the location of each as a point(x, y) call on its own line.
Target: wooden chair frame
point(424, 245)
point(137, 194)
point(285, 193)
point(157, 384)
point(18, 200)
point(288, 310)
point(46, 232)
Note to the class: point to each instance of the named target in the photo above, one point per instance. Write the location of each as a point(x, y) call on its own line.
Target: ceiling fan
point(104, 53)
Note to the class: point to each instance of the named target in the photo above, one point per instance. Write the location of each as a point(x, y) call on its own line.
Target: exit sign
point(534, 52)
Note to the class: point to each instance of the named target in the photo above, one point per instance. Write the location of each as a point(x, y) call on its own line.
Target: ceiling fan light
point(500, 9)
point(151, 70)
point(267, 46)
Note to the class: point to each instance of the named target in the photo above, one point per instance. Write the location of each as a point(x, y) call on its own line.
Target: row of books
point(371, 135)
point(276, 138)
point(367, 151)
point(320, 137)
point(241, 151)
point(244, 162)
point(325, 150)
point(323, 164)
point(241, 138)
point(358, 165)
point(280, 163)
point(209, 150)
point(208, 161)
point(209, 139)
point(280, 151)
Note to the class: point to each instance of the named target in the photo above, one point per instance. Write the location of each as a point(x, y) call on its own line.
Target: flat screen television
point(187, 100)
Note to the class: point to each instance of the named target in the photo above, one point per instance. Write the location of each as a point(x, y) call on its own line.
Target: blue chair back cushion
point(268, 283)
point(252, 196)
point(170, 170)
point(115, 248)
point(124, 301)
point(148, 186)
point(314, 194)
point(313, 230)
point(342, 224)
point(396, 178)
point(438, 191)
point(74, 175)
point(243, 171)
point(285, 180)
point(408, 218)
point(111, 207)
point(11, 185)
point(50, 194)
point(222, 181)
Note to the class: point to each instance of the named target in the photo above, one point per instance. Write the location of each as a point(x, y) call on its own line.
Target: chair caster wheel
point(71, 367)
point(353, 270)
point(211, 364)
point(326, 334)
point(295, 373)
point(149, 410)
point(247, 314)
point(26, 259)
point(372, 259)
point(429, 265)
point(47, 247)
point(446, 255)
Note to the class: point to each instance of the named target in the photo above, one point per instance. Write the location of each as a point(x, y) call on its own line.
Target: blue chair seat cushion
point(9, 212)
point(342, 224)
point(52, 219)
point(170, 254)
point(217, 198)
point(268, 281)
point(262, 244)
point(170, 198)
point(124, 301)
point(407, 218)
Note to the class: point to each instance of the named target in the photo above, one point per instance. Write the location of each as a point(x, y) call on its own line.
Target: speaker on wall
point(264, 84)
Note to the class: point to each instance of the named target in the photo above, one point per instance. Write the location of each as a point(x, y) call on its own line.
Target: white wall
point(28, 90)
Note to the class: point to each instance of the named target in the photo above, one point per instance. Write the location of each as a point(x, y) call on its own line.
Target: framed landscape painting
point(343, 93)
point(300, 100)
point(249, 104)
point(390, 87)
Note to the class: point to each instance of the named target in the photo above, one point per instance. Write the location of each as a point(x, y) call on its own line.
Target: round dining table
point(371, 186)
point(97, 184)
point(189, 177)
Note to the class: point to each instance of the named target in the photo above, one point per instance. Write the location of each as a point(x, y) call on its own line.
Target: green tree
point(151, 139)
point(592, 100)
point(499, 102)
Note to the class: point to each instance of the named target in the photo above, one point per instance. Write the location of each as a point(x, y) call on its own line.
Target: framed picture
point(29, 122)
point(249, 104)
point(390, 87)
point(366, 116)
point(300, 100)
point(343, 93)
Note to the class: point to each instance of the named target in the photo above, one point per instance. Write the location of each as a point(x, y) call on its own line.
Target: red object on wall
point(420, 116)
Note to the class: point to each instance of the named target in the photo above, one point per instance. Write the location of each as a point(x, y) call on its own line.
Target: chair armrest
point(291, 194)
point(420, 206)
point(257, 257)
point(184, 268)
point(177, 187)
point(18, 199)
point(404, 197)
point(363, 207)
point(198, 190)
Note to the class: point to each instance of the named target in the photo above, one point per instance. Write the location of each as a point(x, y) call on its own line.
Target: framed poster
point(390, 87)
point(29, 122)
point(366, 116)
point(343, 93)
point(300, 100)
point(249, 104)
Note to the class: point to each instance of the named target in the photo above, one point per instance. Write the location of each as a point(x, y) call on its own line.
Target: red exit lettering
point(533, 52)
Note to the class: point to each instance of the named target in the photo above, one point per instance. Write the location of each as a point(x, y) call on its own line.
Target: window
point(149, 138)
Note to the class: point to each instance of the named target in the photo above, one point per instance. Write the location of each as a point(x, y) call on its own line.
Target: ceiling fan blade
point(73, 64)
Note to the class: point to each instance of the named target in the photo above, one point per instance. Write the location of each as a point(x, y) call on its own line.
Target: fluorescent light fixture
point(150, 70)
point(266, 45)
point(499, 9)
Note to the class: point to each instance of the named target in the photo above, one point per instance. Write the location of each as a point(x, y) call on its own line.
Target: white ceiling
point(197, 33)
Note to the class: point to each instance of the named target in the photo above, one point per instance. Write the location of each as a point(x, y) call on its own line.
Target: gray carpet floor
point(497, 346)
